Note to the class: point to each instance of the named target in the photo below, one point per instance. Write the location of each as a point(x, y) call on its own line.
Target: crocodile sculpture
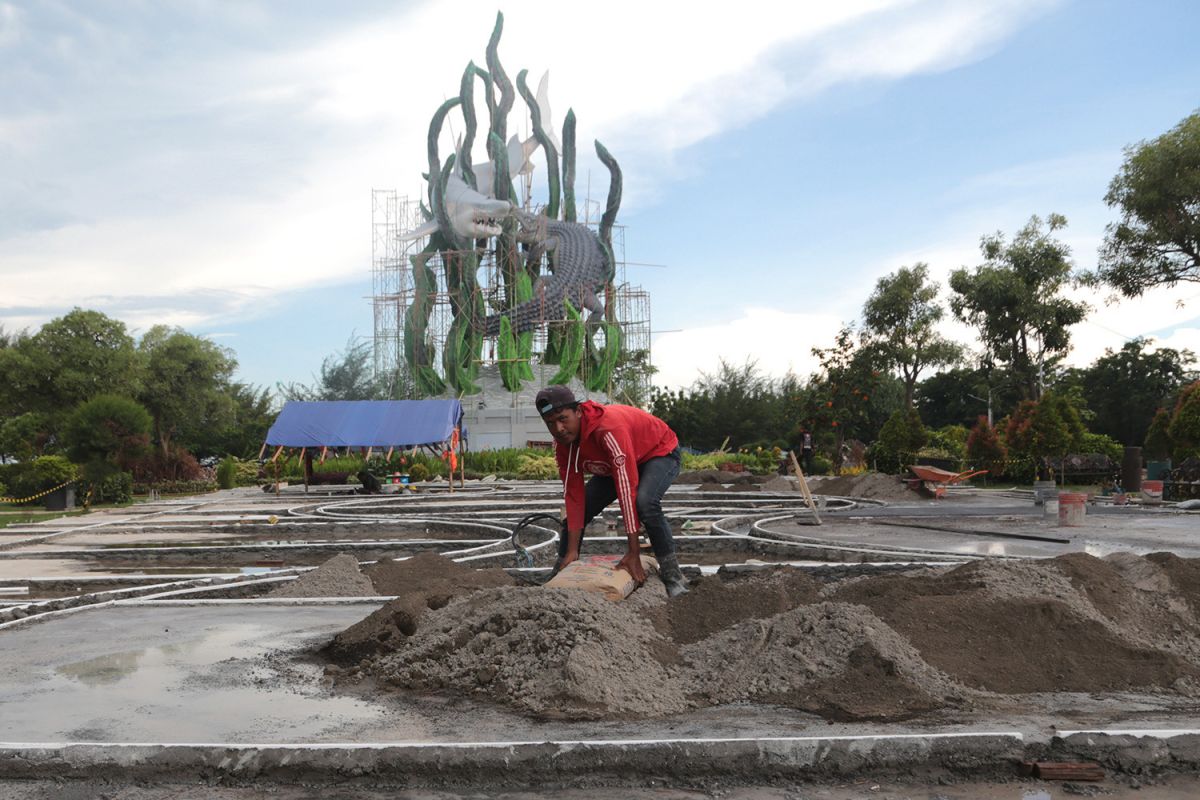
point(581, 262)
point(580, 267)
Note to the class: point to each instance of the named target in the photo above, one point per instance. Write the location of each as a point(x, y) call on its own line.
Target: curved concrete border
point(495, 764)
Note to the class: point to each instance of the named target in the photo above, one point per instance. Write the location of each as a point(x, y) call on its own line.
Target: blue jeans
point(654, 478)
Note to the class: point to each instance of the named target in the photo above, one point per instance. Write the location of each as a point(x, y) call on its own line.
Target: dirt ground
point(1179, 787)
point(887, 647)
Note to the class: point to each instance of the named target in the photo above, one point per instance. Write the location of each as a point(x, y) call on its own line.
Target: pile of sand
point(421, 583)
point(337, 577)
point(871, 485)
point(782, 483)
point(551, 652)
point(885, 647)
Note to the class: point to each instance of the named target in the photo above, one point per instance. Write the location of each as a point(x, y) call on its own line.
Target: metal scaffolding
point(393, 216)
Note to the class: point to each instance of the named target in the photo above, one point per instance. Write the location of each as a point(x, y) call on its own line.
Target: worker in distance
point(633, 457)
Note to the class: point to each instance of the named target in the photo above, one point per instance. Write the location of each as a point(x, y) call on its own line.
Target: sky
point(210, 164)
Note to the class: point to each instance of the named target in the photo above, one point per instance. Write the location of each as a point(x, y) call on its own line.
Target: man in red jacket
point(633, 457)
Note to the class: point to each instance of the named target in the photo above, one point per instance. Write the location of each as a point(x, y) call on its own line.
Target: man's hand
point(632, 563)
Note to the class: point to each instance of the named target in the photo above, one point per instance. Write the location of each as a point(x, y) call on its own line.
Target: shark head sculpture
point(472, 215)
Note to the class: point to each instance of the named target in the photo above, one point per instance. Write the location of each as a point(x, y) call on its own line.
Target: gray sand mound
point(884, 647)
point(714, 603)
point(337, 577)
point(783, 484)
point(871, 485)
point(551, 652)
point(421, 583)
point(799, 657)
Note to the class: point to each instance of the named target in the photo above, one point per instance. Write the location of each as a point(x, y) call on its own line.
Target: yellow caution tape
point(37, 496)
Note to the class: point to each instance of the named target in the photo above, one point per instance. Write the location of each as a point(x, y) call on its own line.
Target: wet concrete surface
point(244, 674)
point(173, 675)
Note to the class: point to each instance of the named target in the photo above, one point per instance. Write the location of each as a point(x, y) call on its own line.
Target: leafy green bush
point(42, 473)
point(116, 487)
point(227, 473)
point(821, 465)
point(418, 472)
point(1157, 446)
point(1185, 424)
point(899, 440)
point(233, 471)
point(701, 461)
point(1102, 444)
point(949, 439)
point(538, 467)
point(176, 487)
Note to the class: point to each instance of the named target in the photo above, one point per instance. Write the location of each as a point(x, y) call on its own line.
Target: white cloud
point(193, 187)
point(778, 342)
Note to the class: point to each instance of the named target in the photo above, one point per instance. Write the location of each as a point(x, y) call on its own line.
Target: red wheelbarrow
point(935, 480)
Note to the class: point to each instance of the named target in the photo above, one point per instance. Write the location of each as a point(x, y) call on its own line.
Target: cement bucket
point(1072, 509)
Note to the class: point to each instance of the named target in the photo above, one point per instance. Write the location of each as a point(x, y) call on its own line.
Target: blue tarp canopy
point(366, 423)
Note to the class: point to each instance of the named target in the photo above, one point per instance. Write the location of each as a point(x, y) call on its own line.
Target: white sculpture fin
point(543, 103)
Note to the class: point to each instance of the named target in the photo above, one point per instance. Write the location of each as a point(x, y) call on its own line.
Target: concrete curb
point(1134, 752)
point(593, 762)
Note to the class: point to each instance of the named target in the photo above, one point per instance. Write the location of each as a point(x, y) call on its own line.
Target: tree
point(107, 433)
point(737, 403)
point(1157, 241)
point(985, 449)
point(631, 377)
point(351, 375)
point(252, 411)
point(24, 436)
point(1125, 387)
point(1185, 424)
point(1048, 428)
point(71, 359)
point(846, 395)
point(185, 385)
point(899, 440)
point(958, 396)
point(1157, 446)
point(899, 319)
point(1013, 299)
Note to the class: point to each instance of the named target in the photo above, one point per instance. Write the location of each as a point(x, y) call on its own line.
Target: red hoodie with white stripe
point(612, 441)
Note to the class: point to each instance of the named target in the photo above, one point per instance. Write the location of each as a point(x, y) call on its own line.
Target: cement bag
point(596, 574)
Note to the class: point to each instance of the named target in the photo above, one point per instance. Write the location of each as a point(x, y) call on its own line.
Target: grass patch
point(14, 515)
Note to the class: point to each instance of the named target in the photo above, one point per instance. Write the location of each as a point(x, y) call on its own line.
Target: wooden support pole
point(262, 450)
point(324, 450)
point(808, 498)
point(275, 457)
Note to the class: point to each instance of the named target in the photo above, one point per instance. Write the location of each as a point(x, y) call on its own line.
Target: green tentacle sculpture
point(539, 133)
point(550, 270)
point(568, 143)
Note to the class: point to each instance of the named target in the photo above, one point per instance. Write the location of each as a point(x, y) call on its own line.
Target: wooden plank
point(808, 498)
point(1068, 771)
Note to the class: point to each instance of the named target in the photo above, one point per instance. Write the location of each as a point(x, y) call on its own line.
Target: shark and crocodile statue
point(552, 269)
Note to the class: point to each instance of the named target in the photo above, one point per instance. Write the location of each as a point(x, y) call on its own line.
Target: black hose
point(523, 556)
